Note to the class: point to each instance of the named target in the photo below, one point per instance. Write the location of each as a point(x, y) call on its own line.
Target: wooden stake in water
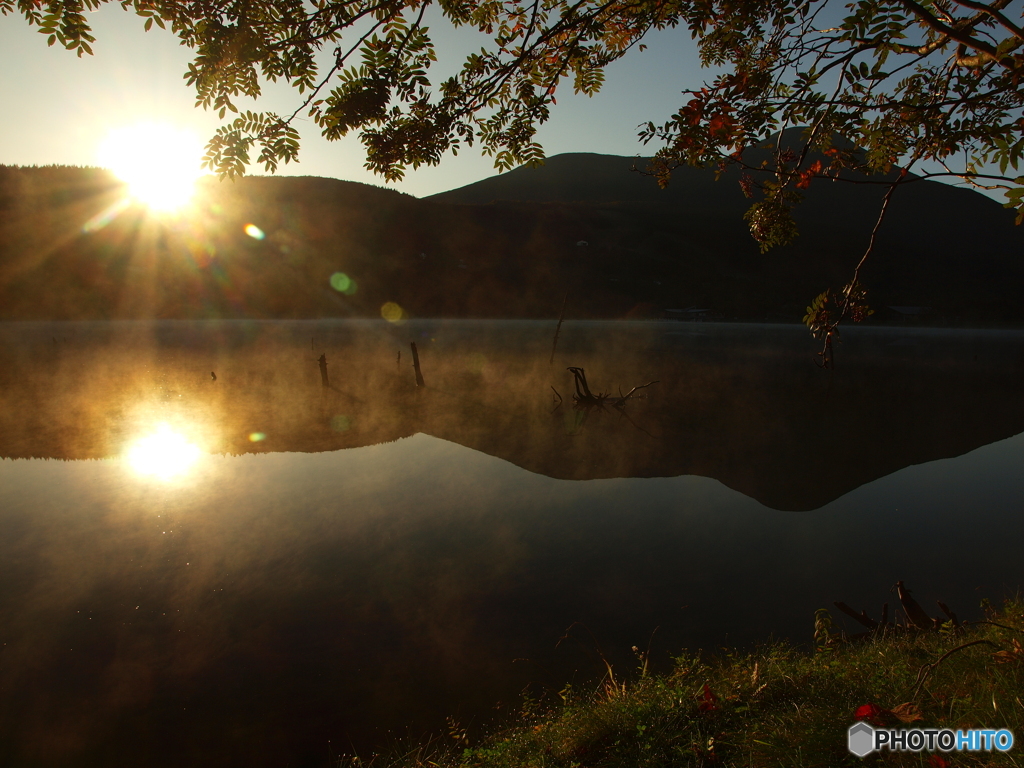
point(416, 365)
point(325, 380)
point(561, 317)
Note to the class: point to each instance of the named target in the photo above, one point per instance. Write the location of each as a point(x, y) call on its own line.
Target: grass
point(778, 706)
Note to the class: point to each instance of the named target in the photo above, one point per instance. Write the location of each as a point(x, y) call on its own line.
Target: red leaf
point(937, 761)
point(692, 112)
point(721, 125)
point(873, 713)
point(708, 700)
point(810, 173)
point(867, 710)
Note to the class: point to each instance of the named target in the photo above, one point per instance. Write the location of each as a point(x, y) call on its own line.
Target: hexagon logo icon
point(860, 739)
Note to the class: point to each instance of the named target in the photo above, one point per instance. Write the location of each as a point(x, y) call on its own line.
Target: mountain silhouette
point(512, 245)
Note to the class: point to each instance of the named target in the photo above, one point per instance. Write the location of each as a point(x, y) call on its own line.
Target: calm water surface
point(277, 606)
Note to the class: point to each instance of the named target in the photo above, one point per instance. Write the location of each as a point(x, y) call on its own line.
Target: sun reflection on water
point(164, 454)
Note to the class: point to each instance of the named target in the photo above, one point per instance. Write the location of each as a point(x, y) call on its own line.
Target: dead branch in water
point(916, 618)
point(416, 364)
point(561, 317)
point(557, 404)
point(584, 398)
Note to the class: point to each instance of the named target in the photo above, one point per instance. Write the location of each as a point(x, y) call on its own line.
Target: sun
point(160, 163)
point(164, 454)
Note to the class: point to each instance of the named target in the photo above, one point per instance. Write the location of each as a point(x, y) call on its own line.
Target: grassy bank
point(779, 706)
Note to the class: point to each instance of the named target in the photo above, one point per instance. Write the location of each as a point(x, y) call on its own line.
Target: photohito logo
point(862, 739)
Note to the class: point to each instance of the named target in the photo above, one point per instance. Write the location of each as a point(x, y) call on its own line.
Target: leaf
point(865, 711)
point(805, 176)
point(771, 223)
point(908, 712)
point(708, 700)
point(1016, 653)
point(872, 713)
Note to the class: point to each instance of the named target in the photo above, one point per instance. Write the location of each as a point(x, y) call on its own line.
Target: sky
point(60, 109)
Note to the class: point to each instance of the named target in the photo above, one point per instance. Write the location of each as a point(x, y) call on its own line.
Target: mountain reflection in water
point(261, 606)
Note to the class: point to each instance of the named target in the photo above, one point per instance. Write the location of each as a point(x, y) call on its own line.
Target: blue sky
point(59, 108)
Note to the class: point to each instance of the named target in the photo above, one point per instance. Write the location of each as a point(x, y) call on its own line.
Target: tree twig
point(996, 624)
point(831, 329)
point(927, 669)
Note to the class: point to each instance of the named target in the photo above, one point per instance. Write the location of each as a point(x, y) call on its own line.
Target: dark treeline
point(509, 246)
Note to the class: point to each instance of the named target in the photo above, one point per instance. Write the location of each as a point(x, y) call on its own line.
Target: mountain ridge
point(508, 246)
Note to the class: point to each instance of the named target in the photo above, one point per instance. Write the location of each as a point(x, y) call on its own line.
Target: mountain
point(943, 248)
point(508, 246)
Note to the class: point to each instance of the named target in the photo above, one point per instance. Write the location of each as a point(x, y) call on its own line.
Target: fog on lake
point(208, 557)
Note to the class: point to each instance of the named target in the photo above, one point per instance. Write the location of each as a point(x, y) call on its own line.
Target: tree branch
point(995, 14)
point(985, 51)
point(871, 242)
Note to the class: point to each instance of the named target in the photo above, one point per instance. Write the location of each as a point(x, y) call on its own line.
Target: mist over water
point(353, 564)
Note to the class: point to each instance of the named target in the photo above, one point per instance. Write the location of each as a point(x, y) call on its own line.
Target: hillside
point(949, 249)
point(508, 246)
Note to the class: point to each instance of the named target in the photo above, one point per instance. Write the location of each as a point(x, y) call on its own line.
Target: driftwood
point(862, 618)
point(584, 398)
point(916, 618)
point(915, 613)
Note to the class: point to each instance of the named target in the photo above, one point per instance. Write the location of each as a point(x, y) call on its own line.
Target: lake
point(209, 558)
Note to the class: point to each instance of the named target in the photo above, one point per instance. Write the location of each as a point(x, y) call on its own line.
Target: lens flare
point(107, 215)
point(165, 454)
point(254, 232)
point(343, 283)
point(392, 312)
